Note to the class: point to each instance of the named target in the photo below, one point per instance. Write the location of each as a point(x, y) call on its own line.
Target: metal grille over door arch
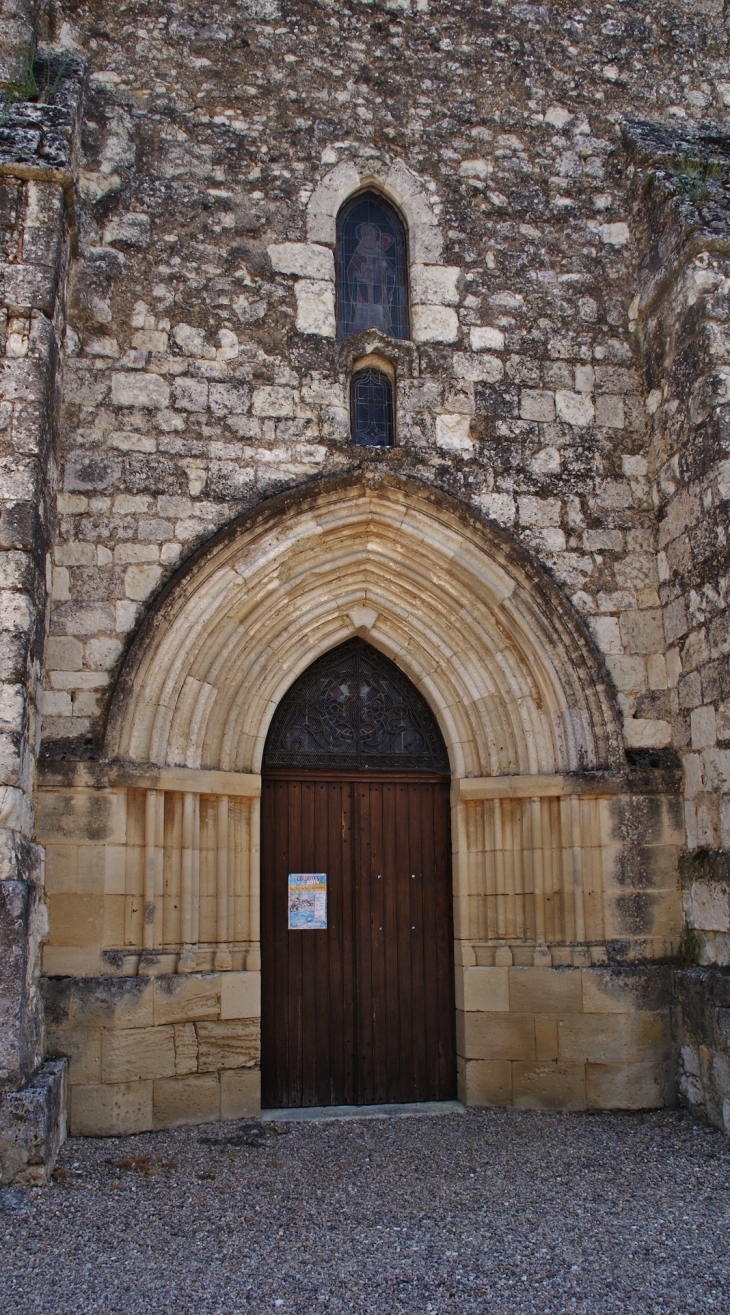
point(354, 709)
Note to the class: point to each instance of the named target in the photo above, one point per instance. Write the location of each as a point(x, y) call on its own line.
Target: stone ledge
point(65, 774)
point(33, 1126)
point(641, 778)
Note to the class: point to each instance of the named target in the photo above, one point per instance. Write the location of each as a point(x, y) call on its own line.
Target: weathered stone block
point(240, 995)
point(625, 1086)
point(82, 1048)
point(66, 960)
point(610, 412)
point(545, 990)
point(642, 913)
point(132, 1054)
point(240, 1093)
point(483, 989)
point(28, 287)
point(537, 405)
point(276, 402)
point(488, 1083)
point(190, 394)
point(478, 368)
point(16, 899)
point(495, 1035)
point(316, 307)
point(141, 581)
point(195, 1099)
point(549, 1086)
point(76, 920)
point(229, 399)
point(112, 1001)
point(486, 339)
point(574, 408)
point(186, 1048)
point(143, 390)
point(110, 1109)
point(613, 1038)
point(546, 1036)
point(452, 434)
point(305, 259)
point(186, 997)
point(131, 230)
point(435, 285)
point(67, 815)
point(234, 1044)
point(33, 1126)
point(434, 324)
point(606, 992)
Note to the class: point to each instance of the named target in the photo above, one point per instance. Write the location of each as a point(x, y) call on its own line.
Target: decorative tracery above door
point(354, 709)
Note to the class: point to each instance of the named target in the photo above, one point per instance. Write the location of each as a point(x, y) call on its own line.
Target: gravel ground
point(487, 1211)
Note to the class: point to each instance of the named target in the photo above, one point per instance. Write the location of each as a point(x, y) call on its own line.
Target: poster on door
point(307, 901)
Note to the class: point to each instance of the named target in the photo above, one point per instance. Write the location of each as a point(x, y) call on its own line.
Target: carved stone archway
point(545, 814)
point(489, 640)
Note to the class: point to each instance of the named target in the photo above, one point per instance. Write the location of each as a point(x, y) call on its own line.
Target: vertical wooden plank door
point(362, 1013)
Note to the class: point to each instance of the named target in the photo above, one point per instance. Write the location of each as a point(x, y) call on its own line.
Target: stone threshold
point(331, 1113)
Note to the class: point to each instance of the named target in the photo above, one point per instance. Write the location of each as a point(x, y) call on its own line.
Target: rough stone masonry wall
point(35, 188)
point(202, 373)
point(17, 25)
point(682, 311)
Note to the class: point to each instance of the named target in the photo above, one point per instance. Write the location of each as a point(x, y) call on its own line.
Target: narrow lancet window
point(372, 269)
point(371, 408)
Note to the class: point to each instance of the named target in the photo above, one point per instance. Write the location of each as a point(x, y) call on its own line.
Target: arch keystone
point(363, 618)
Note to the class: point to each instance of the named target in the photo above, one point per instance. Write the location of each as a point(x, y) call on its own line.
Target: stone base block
point(626, 1086)
point(241, 1093)
point(116, 1109)
point(192, 1099)
point(111, 1109)
point(486, 1083)
point(33, 1126)
point(549, 1086)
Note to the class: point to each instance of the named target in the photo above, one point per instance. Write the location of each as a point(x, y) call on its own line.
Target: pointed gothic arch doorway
point(356, 789)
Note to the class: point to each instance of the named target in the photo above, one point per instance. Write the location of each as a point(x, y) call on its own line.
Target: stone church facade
point(192, 515)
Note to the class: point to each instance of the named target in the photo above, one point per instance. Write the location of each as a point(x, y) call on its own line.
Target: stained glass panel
point(371, 408)
point(372, 269)
point(355, 709)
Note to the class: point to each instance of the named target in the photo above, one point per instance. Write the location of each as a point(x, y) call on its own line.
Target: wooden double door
point(362, 1012)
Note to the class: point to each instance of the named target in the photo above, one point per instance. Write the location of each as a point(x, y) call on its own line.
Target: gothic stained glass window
point(371, 408)
point(372, 269)
point(354, 709)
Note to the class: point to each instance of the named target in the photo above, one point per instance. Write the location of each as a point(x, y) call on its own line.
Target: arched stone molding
point(398, 183)
point(434, 287)
point(485, 635)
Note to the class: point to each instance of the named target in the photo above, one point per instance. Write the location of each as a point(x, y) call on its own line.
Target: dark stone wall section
point(701, 1036)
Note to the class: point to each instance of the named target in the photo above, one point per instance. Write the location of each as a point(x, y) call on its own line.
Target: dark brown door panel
point(362, 1013)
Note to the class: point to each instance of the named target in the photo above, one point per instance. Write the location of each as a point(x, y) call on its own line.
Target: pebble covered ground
point(486, 1211)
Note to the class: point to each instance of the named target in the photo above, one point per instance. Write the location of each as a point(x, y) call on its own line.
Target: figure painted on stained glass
point(371, 275)
point(372, 269)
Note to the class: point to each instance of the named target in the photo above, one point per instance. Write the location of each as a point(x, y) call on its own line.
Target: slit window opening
point(371, 409)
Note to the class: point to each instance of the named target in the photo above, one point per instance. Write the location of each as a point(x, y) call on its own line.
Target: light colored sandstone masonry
point(186, 526)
